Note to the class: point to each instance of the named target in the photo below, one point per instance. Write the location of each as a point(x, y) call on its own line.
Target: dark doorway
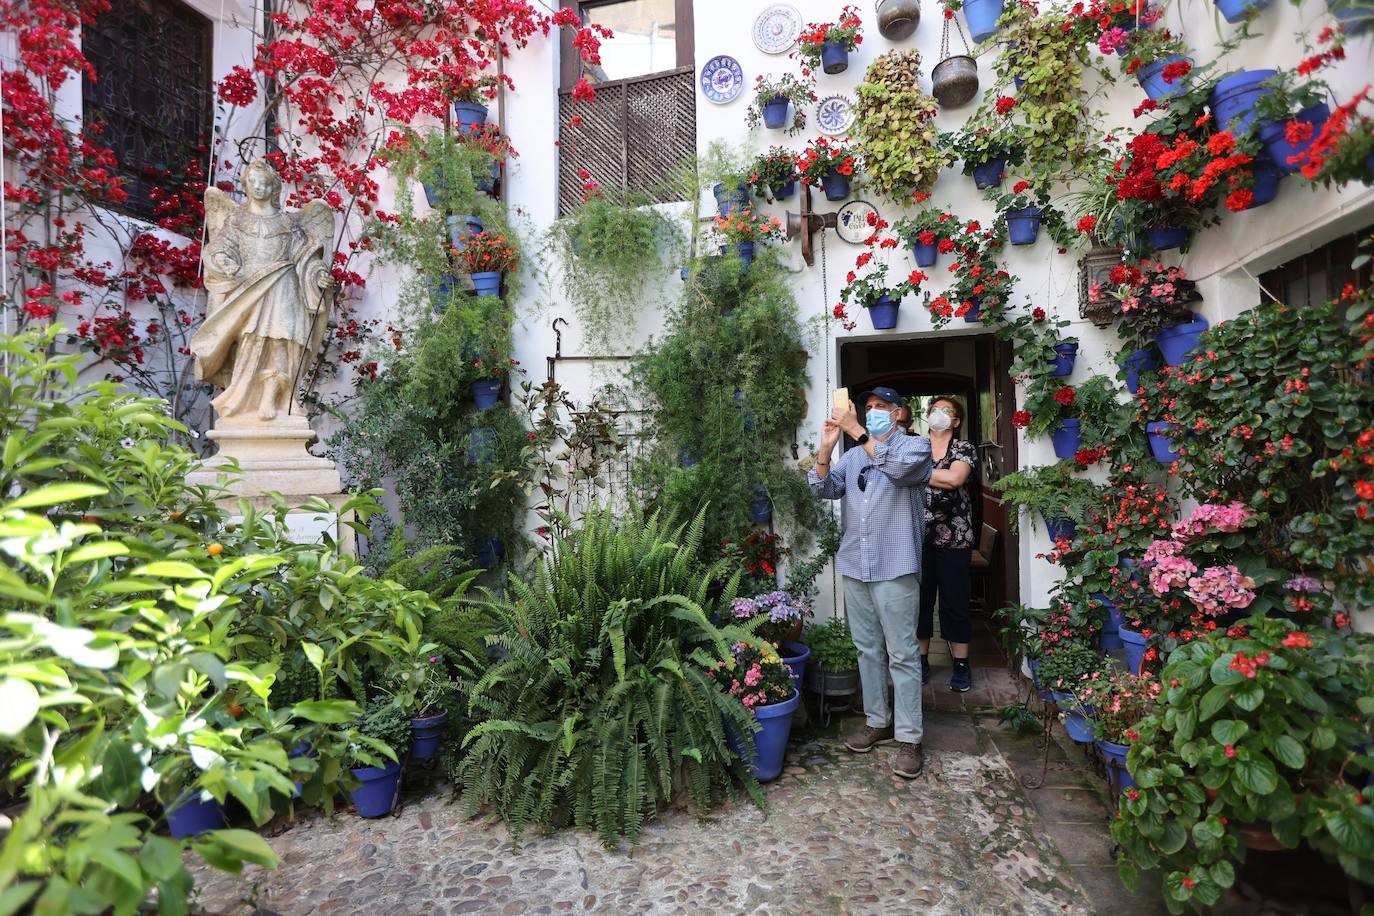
point(972, 367)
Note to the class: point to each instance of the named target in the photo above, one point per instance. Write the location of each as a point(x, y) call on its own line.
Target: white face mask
point(939, 420)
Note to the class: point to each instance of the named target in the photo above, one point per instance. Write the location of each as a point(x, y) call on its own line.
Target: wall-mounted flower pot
point(775, 112)
point(834, 57)
point(1164, 238)
point(490, 552)
point(1116, 760)
point(770, 741)
point(784, 191)
point(1235, 10)
point(1267, 176)
point(1023, 225)
point(191, 815)
point(982, 16)
point(761, 507)
point(485, 392)
point(1067, 438)
point(1151, 79)
point(836, 185)
point(746, 253)
point(975, 311)
point(1059, 528)
point(471, 116)
point(462, 228)
point(1135, 363)
point(1274, 136)
point(488, 184)
point(898, 19)
point(1178, 342)
point(954, 81)
point(425, 734)
point(481, 446)
point(442, 290)
point(1135, 644)
point(1354, 15)
point(1234, 97)
point(1161, 443)
point(376, 796)
point(989, 174)
point(727, 201)
point(794, 656)
point(486, 283)
point(925, 255)
point(883, 313)
point(1064, 355)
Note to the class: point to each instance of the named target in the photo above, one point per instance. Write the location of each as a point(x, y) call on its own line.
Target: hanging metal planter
point(954, 80)
point(898, 19)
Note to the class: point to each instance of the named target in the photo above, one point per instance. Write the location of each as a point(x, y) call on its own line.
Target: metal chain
point(944, 38)
point(829, 316)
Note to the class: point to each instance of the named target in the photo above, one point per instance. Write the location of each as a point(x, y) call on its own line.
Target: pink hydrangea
point(1160, 549)
point(1210, 517)
point(1170, 572)
point(1219, 589)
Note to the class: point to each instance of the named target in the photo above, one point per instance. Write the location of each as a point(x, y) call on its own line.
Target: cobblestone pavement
point(840, 835)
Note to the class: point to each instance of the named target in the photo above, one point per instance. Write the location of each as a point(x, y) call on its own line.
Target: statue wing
point(218, 207)
point(317, 219)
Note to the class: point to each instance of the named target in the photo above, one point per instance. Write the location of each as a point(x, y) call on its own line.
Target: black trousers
point(944, 570)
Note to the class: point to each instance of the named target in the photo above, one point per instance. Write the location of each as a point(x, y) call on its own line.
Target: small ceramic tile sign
point(722, 79)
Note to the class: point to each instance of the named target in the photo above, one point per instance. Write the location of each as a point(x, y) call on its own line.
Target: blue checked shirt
point(884, 524)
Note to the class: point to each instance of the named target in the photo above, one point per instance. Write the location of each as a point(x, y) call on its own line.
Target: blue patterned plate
point(834, 115)
point(722, 80)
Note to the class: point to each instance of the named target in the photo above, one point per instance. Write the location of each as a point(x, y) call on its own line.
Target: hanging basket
point(954, 81)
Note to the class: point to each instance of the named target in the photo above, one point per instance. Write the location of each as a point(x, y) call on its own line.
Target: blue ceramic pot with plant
point(1135, 644)
point(470, 115)
point(1233, 98)
point(760, 507)
point(194, 813)
point(1267, 177)
point(1065, 353)
point(775, 112)
point(974, 313)
point(1116, 760)
point(1161, 443)
point(795, 656)
point(770, 741)
point(989, 174)
point(1151, 79)
point(727, 200)
point(486, 283)
point(379, 786)
point(746, 253)
point(490, 552)
point(1134, 364)
point(1164, 238)
point(785, 191)
point(425, 732)
point(488, 183)
point(1178, 342)
point(883, 313)
point(982, 16)
point(1234, 11)
point(836, 185)
point(485, 392)
point(1067, 437)
point(1283, 151)
point(1059, 528)
point(925, 255)
point(1078, 722)
point(834, 57)
point(462, 228)
point(1354, 16)
point(481, 446)
point(1023, 225)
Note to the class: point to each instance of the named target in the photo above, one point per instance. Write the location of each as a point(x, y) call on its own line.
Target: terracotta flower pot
point(1258, 836)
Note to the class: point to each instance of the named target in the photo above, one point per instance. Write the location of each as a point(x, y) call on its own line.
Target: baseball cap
point(887, 394)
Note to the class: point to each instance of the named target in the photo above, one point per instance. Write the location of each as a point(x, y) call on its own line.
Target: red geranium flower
point(1065, 395)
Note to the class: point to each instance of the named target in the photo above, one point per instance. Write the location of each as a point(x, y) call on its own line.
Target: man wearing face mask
point(883, 486)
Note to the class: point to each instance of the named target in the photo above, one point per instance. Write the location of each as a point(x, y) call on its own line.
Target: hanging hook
point(557, 337)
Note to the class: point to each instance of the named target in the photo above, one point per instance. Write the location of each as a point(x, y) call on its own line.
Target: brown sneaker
point(910, 759)
point(867, 738)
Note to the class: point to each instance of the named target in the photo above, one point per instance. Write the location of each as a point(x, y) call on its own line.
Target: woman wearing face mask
point(948, 541)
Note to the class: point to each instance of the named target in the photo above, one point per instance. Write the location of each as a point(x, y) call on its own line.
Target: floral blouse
point(949, 513)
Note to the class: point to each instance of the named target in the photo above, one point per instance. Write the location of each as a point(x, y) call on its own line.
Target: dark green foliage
point(601, 710)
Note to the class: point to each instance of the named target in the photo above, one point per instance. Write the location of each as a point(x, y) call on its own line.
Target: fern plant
point(602, 710)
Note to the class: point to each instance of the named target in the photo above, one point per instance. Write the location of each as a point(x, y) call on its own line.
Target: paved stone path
point(840, 835)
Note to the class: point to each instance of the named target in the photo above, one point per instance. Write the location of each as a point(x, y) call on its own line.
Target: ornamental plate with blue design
point(722, 80)
point(834, 115)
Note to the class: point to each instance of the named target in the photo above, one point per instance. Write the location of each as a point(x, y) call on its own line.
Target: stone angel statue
point(268, 276)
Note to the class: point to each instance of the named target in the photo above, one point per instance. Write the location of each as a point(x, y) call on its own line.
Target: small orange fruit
point(215, 550)
point(236, 710)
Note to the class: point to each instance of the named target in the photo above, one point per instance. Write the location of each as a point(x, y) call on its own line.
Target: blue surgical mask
point(878, 423)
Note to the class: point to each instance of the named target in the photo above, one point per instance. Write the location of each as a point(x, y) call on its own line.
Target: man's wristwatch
point(861, 440)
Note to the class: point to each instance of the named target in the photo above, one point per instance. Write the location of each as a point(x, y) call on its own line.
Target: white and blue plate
point(834, 115)
point(776, 29)
point(722, 80)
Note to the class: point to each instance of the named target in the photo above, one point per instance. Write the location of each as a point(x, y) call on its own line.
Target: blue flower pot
point(975, 311)
point(1178, 342)
point(376, 797)
point(1114, 616)
point(471, 116)
point(1018, 82)
point(1135, 645)
point(1164, 238)
point(1067, 437)
point(490, 552)
point(1267, 176)
point(1059, 528)
point(1273, 134)
point(192, 815)
point(425, 734)
point(729, 201)
point(481, 445)
point(883, 313)
point(794, 656)
point(989, 174)
point(770, 741)
point(462, 228)
point(1235, 10)
point(760, 507)
point(836, 185)
point(485, 392)
point(488, 184)
point(1161, 444)
point(1116, 759)
point(1079, 726)
point(1023, 225)
point(775, 112)
point(746, 253)
point(1135, 363)
point(785, 191)
point(1064, 356)
point(1234, 96)
point(925, 255)
point(1353, 15)
point(834, 57)
point(434, 187)
point(442, 290)
point(486, 283)
point(1151, 79)
point(982, 16)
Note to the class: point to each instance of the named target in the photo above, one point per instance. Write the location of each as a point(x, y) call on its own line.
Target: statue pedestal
point(272, 457)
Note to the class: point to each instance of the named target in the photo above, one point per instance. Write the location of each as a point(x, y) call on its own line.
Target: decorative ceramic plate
point(834, 115)
point(776, 29)
point(722, 80)
point(851, 221)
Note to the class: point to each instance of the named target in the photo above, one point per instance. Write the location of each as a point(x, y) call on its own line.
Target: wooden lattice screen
point(632, 135)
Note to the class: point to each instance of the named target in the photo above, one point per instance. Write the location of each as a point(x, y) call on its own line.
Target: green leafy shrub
point(896, 124)
point(831, 645)
point(602, 708)
point(1066, 667)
